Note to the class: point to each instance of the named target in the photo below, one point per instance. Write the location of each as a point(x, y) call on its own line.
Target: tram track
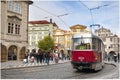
point(60, 71)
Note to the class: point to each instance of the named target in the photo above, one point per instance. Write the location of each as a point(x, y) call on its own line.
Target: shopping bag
point(24, 60)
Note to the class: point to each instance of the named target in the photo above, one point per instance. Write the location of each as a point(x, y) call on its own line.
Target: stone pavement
point(20, 64)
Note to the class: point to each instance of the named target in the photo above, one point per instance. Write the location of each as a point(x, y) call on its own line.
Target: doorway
point(12, 53)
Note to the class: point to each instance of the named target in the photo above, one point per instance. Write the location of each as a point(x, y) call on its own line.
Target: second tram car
point(87, 52)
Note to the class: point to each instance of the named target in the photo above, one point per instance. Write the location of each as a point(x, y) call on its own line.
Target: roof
point(39, 22)
point(77, 26)
point(29, 1)
point(54, 24)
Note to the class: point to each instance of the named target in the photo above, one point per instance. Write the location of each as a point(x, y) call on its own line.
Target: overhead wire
point(58, 16)
point(90, 13)
point(89, 10)
point(31, 13)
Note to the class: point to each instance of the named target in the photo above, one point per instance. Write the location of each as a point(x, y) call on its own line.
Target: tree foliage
point(46, 44)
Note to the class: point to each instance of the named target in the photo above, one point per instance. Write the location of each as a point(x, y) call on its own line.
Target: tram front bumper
point(82, 65)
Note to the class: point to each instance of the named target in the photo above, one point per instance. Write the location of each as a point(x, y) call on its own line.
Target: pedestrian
point(108, 57)
point(118, 57)
point(63, 55)
point(26, 57)
point(56, 57)
point(32, 55)
point(47, 57)
point(43, 57)
point(40, 56)
point(51, 56)
point(115, 58)
point(37, 57)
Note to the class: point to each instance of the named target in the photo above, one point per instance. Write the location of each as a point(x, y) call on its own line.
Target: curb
point(111, 64)
point(33, 66)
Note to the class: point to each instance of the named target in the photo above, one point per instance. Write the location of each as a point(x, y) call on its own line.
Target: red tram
point(87, 52)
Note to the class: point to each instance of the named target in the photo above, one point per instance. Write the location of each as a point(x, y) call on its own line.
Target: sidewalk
point(20, 64)
point(112, 63)
point(115, 74)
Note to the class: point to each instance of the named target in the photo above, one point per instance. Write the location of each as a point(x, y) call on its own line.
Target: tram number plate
point(80, 67)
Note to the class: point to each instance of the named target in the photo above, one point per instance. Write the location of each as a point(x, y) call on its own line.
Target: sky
point(67, 13)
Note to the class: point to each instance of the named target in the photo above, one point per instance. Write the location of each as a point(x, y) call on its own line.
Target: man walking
point(47, 57)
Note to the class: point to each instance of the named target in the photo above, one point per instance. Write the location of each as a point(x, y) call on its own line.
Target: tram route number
point(81, 58)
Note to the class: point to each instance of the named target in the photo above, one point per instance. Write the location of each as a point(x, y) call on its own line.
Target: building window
point(104, 39)
point(106, 35)
point(74, 30)
point(18, 29)
point(17, 8)
point(9, 27)
point(105, 46)
point(111, 39)
point(33, 37)
point(11, 5)
point(33, 43)
point(81, 30)
point(12, 28)
point(33, 28)
point(14, 6)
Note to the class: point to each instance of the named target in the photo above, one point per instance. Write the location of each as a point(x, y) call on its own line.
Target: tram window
point(94, 43)
point(81, 43)
point(83, 46)
point(87, 45)
point(93, 46)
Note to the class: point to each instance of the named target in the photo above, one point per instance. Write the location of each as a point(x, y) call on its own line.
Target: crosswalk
point(20, 64)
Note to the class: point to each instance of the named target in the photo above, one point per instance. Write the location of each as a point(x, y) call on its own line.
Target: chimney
point(50, 20)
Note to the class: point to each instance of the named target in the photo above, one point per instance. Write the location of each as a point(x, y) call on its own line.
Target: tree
point(46, 44)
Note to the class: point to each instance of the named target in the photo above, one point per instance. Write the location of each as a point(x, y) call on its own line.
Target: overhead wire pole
point(90, 14)
point(89, 10)
point(62, 20)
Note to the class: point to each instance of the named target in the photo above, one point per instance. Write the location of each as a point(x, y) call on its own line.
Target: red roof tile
point(39, 22)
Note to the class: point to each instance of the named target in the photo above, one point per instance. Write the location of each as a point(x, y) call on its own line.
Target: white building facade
point(37, 30)
point(111, 41)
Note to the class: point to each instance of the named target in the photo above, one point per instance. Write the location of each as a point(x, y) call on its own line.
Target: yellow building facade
point(63, 39)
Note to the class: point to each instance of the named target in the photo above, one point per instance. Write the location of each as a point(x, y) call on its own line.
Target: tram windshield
point(81, 43)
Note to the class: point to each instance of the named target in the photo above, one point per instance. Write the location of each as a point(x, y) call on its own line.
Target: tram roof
point(84, 35)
